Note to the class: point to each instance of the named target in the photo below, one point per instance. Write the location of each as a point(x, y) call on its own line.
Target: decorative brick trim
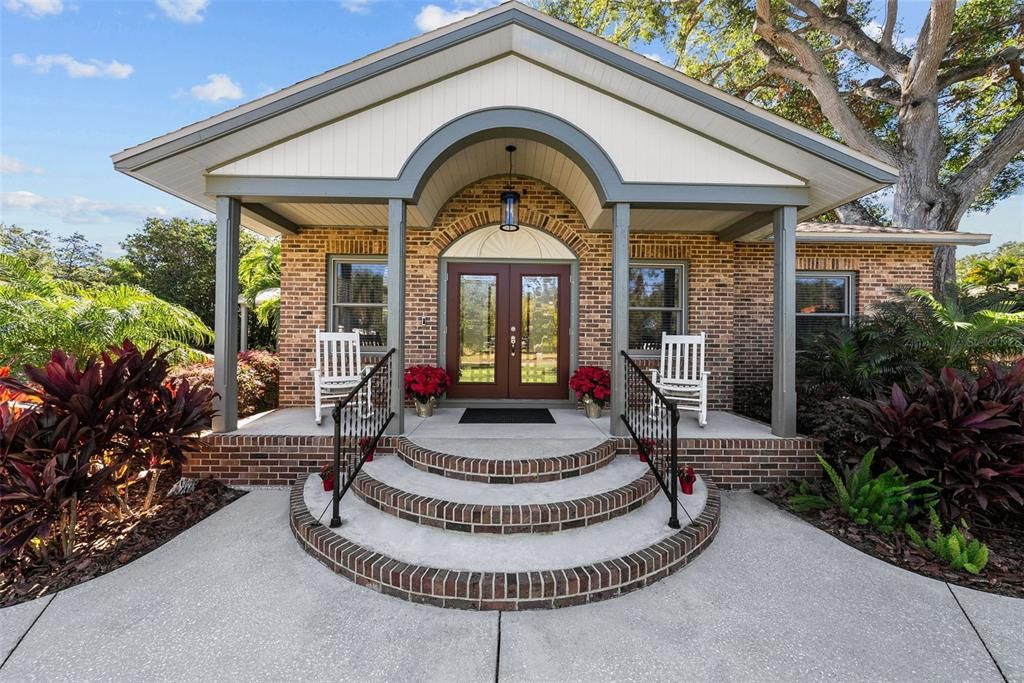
point(505, 519)
point(263, 459)
point(518, 471)
point(502, 590)
point(746, 463)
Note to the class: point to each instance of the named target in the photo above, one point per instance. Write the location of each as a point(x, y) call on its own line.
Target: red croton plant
point(96, 430)
point(424, 382)
point(590, 381)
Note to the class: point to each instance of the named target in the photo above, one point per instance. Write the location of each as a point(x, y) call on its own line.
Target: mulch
point(109, 544)
point(1004, 574)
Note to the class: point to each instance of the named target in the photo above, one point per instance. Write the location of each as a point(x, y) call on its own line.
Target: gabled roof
point(510, 12)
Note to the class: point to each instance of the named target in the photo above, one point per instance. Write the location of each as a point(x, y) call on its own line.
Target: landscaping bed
point(1004, 574)
point(107, 544)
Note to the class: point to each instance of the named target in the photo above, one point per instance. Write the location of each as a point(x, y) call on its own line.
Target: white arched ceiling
point(524, 243)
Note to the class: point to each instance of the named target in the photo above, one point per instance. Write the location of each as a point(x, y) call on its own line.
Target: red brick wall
point(730, 284)
point(878, 268)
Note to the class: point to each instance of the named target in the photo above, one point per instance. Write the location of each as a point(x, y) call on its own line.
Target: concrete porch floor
point(570, 424)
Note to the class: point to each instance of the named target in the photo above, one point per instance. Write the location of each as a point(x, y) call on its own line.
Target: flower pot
point(328, 484)
point(425, 409)
point(592, 408)
point(685, 487)
point(642, 454)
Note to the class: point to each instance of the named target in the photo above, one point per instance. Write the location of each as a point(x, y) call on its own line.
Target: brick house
point(647, 202)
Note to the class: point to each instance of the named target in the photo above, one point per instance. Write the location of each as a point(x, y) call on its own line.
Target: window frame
point(851, 296)
point(682, 311)
point(332, 306)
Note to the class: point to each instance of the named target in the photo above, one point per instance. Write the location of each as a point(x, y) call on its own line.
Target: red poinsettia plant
point(592, 383)
point(424, 382)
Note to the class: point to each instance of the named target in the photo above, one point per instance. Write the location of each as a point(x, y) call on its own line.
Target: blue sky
point(81, 80)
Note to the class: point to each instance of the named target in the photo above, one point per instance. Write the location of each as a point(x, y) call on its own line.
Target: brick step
point(505, 470)
point(392, 486)
point(486, 572)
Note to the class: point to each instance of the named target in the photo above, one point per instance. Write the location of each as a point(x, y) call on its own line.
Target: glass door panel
point(538, 348)
point(478, 319)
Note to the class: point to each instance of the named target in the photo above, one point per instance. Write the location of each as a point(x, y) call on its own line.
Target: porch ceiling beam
point(745, 226)
point(270, 217)
point(266, 189)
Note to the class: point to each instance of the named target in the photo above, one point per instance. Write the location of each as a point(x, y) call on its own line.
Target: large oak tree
point(945, 106)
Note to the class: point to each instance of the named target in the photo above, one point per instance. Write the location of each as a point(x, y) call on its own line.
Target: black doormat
point(516, 416)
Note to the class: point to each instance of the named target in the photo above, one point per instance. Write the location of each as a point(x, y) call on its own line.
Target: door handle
point(512, 341)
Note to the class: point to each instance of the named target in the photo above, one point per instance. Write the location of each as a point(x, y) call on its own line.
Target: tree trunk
point(920, 201)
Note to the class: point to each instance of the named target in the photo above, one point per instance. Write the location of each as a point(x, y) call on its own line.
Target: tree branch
point(885, 58)
point(812, 74)
point(931, 48)
point(891, 11)
point(990, 160)
point(877, 89)
point(979, 67)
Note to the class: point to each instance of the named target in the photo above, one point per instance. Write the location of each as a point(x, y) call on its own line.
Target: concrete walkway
point(772, 599)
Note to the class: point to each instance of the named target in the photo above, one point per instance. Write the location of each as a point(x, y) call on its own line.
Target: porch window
point(657, 303)
point(358, 292)
point(824, 301)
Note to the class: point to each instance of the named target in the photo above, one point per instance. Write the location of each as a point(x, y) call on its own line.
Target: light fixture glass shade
point(509, 211)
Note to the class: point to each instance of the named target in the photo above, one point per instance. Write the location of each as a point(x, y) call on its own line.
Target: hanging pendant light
point(509, 200)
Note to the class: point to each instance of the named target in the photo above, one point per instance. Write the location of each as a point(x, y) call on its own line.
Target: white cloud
point(655, 56)
point(12, 166)
point(185, 11)
point(432, 16)
point(77, 209)
point(93, 68)
point(217, 87)
point(356, 6)
point(34, 8)
point(902, 43)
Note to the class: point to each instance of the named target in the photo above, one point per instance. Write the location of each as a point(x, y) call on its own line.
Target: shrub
point(965, 434)
point(98, 429)
point(258, 380)
point(957, 548)
point(885, 501)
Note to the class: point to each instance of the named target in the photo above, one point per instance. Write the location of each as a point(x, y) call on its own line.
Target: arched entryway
point(509, 302)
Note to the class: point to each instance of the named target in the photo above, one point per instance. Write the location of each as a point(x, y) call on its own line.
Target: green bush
point(885, 502)
point(957, 548)
point(258, 380)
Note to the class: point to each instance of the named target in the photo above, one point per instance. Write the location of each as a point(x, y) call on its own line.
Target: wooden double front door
point(508, 330)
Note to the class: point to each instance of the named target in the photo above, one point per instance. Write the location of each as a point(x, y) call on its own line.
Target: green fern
point(958, 548)
point(884, 502)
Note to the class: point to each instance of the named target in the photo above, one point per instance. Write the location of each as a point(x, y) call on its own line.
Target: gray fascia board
point(497, 21)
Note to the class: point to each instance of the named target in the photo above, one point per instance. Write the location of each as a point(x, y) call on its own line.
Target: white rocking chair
point(682, 378)
point(339, 368)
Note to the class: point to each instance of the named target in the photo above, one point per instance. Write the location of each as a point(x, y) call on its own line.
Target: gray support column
point(620, 313)
point(243, 325)
point(225, 327)
point(396, 310)
point(784, 373)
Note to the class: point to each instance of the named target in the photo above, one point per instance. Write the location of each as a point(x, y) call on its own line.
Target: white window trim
point(684, 297)
point(851, 294)
point(334, 259)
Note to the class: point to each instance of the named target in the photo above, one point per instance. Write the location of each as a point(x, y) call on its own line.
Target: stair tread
point(397, 474)
point(504, 448)
point(438, 548)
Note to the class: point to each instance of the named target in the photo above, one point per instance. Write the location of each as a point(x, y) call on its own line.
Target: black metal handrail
point(652, 421)
point(366, 413)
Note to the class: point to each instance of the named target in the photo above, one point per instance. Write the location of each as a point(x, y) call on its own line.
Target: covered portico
point(636, 148)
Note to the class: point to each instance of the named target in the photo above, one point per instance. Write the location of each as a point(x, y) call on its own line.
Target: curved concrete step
point(392, 486)
point(506, 470)
point(480, 571)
